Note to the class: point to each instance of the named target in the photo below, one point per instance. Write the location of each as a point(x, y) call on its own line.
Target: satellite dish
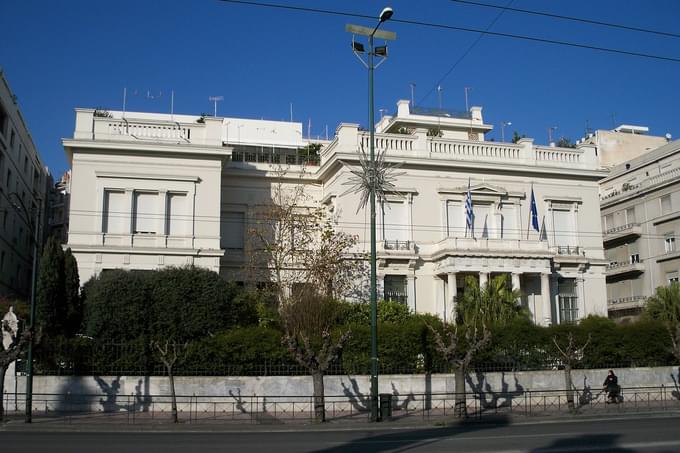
point(668, 136)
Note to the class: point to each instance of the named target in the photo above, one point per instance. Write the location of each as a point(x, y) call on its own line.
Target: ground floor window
point(395, 288)
point(568, 300)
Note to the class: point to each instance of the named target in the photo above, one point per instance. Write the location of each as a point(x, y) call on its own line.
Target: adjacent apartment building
point(153, 190)
point(641, 221)
point(24, 182)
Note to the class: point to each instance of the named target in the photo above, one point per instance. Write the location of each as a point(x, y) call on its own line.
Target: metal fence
point(278, 409)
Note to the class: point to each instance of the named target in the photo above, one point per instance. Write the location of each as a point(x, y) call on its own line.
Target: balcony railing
point(622, 303)
point(625, 267)
point(621, 232)
point(571, 250)
point(398, 245)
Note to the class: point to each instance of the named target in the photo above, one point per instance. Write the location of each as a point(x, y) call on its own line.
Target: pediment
point(476, 189)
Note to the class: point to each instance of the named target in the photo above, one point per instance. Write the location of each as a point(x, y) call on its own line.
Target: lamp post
point(31, 322)
point(380, 51)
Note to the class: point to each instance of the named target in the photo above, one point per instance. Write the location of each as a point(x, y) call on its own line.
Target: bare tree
point(292, 241)
point(14, 345)
point(480, 308)
point(170, 353)
point(571, 354)
point(459, 347)
point(310, 321)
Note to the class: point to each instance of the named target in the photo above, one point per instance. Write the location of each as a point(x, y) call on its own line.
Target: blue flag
point(534, 212)
point(469, 216)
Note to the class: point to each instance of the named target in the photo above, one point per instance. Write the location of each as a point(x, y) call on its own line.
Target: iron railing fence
point(135, 359)
point(262, 409)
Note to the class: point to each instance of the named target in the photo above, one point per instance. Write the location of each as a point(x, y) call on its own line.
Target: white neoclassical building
point(152, 190)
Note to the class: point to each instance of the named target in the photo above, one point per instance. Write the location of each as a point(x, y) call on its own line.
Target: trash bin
point(385, 406)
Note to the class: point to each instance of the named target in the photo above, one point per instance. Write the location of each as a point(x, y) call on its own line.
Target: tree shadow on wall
point(489, 399)
point(361, 401)
point(676, 385)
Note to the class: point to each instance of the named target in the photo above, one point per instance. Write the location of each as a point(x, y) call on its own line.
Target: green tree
point(516, 137)
point(74, 306)
point(565, 142)
point(664, 306)
point(51, 306)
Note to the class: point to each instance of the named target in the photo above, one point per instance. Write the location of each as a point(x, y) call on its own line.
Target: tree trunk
point(460, 408)
point(175, 419)
point(319, 400)
point(570, 387)
point(3, 370)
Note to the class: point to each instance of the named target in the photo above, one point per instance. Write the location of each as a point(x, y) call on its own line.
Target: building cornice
point(179, 149)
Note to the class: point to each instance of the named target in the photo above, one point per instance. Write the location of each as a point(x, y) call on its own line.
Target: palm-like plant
point(664, 306)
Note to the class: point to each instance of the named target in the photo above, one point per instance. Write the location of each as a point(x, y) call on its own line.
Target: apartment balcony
point(624, 303)
point(487, 246)
point(624, 269)
point(622, 233)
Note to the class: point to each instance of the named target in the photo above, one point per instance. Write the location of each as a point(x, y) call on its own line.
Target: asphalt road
point(660, 434)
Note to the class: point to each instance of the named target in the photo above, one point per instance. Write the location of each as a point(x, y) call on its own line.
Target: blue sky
point(62, 55)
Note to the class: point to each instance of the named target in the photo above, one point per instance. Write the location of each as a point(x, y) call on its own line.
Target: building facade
point(151, 190)
point(623, 143)
point(23, 196)
point(641, 221)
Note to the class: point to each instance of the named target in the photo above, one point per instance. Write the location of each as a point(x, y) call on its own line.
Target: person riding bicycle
point(611, 385)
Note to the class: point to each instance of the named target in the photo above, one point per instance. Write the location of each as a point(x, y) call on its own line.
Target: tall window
point(508, 222)
point(669, 243)
point(568, 300)
point(232, 230)
point(483, 223)
point(666, 207)
point(395, 288)
point(177, 215)
point(455, 219)
point(395, 221)
point(145, 213)
point(115, 212)
point(630, 215)
point(564, 228)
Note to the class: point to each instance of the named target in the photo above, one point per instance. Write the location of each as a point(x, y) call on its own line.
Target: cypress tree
point(51, 308)
point(74, 306)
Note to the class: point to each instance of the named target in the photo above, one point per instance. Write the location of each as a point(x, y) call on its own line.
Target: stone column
point(580, 293)
point(483, 279)
point(411, 292)
point(545, 296)
point(451, 298)
point(516, 285)
point(554, 294)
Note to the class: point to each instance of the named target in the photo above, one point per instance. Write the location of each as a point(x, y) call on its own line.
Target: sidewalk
point(122, 422)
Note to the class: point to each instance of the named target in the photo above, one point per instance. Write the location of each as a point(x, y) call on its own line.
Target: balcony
point(622, 233)
point(623, 269)
point(396, 248)
point(624, 303)
point(510, 247)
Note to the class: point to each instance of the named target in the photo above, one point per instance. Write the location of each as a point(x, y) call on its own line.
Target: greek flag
point(534, 212)
point(469, 216)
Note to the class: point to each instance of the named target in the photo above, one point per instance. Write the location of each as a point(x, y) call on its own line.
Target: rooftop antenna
point(124, 99)
point(172, 105)
point(613, 115)
point(382, 113)
point(467, 90)
point(326, 131)
point(550, 132)
point(439, 95)
point(215, 100)
point(309, 128)
point(291, 112)
point(413, 89)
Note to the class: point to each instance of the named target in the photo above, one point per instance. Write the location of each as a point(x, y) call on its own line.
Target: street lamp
point(503, 124)
point(20, 207)
point(380, 51)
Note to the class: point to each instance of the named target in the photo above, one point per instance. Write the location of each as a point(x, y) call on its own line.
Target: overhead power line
point(571, 18)
point(465, 54)
point(455, 28)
